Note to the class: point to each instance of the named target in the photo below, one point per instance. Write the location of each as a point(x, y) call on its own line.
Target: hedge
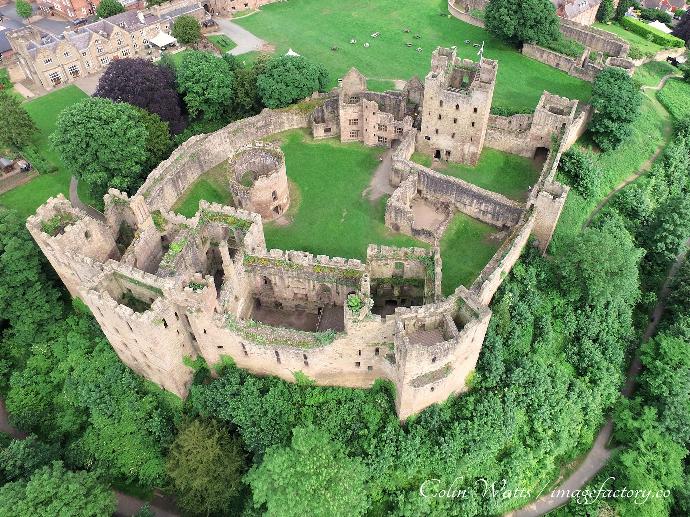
point(652, 34)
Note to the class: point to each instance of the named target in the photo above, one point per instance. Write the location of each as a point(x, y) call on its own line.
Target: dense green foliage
point(186, 30)
point(103, 143)
point(287, 79)
point(580, 168)
point(107, 8)
point(206, 84)
point(24, 9)
point(16, 127)
point(675, 96)
point(616, 100)
point(655, 35)
point(205, 466)
point(523, 21)
point(52, 491)
point(606, 11)
point(682, 29)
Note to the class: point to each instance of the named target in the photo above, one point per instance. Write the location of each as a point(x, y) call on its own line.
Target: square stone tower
point(457, 102)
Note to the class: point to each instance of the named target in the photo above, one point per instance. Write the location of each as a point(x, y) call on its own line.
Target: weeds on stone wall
point(57, 223)
point(231, 221)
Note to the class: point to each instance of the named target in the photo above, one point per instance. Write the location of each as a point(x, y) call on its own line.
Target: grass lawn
point(643, 44)
point(616, 165)
point(312, 27)
point(651, 73)
point(44, 111)
point(213, 187)
point(331, 217)
point(505, 173)
point(675, 96)
point(222, 42)
point(465, 250)
point(380, 85)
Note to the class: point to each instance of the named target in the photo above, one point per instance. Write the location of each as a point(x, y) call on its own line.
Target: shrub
point(655, 14)
point(652, 34)
point(583, 173)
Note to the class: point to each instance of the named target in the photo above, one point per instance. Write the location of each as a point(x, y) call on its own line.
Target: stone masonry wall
point(171, 178)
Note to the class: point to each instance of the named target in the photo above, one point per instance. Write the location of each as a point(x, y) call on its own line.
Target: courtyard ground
point(330, 213)
point(675, 96)
point(44, 112)
point(505, 173)
point(312, 27)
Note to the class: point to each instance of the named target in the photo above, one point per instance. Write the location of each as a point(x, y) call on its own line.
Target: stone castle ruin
point(164, 287)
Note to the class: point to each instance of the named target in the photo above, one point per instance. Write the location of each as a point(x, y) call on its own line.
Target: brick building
point(50, 60)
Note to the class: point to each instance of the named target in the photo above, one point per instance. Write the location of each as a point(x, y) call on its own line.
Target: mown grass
point(312, 27)
point(380, 85)
point(44, 112)
point(505, 173)
point(616, 166)
point(651, 73)
point(675, 96)
point(642, 44)
point(222, 42)
point(465, 249)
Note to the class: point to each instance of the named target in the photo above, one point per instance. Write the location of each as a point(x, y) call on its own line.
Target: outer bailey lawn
point(312, 27)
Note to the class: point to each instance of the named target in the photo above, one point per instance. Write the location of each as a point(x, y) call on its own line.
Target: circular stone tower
point(258, 180)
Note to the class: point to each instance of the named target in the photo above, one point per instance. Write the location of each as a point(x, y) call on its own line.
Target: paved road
point(76, 202)
point(51, 24)
point(245, 40)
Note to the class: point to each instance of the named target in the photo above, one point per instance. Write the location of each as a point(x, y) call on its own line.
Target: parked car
point(79, 21)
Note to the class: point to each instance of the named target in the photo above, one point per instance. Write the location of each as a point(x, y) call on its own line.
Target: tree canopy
point(186, 30)
point(523, 21)
point(205, 465)
point(108, 8)
point(24, 9)
point(682, 29)
point(616, 99)
point(287, 79)
point(103, 143)
point(206, 84)
point(606, 11)
point(142, 83)
point(16, 127)
point(52, 490)
point(314, 476)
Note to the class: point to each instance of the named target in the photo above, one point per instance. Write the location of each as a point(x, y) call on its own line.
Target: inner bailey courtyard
point(165, 287)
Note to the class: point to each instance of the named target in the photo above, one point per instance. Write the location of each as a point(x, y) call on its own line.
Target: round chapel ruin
point(164, 287)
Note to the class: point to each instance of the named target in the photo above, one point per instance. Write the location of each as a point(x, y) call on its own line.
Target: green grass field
point(213, 187)
point(222, 42)
point(312, 27)
point(507, 174)
point(651, 73)
point(642, 44)
point(675, 96)
point(465, 250)
point(44, 112)
point(616, 166)
point(330, 216)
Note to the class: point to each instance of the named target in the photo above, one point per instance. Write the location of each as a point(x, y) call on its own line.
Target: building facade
point(50, 60)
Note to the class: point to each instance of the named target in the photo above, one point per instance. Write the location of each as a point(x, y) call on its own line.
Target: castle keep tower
point(457, 102)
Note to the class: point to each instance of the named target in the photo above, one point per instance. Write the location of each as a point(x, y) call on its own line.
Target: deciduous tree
point(682, 30)
point(523, 21)
point(24, 9)
point(52, 491)
point(287, 79)
point(16, 127)
point(146, 85)
point(103, 143)
point(206, 84)
point(109, 8)
point(616, 99)
point(186, 30)
point(314, 476)
point(606, 11)
point(205, 465)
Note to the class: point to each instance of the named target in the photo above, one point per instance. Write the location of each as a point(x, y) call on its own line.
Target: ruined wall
point(548, 207)
point(463, 13)
point(575, 67)
point(595, 39)
point(200, 153)
point(493, 274)
point(474, 201)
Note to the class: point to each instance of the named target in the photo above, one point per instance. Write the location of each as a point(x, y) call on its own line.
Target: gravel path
point(245, 40)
